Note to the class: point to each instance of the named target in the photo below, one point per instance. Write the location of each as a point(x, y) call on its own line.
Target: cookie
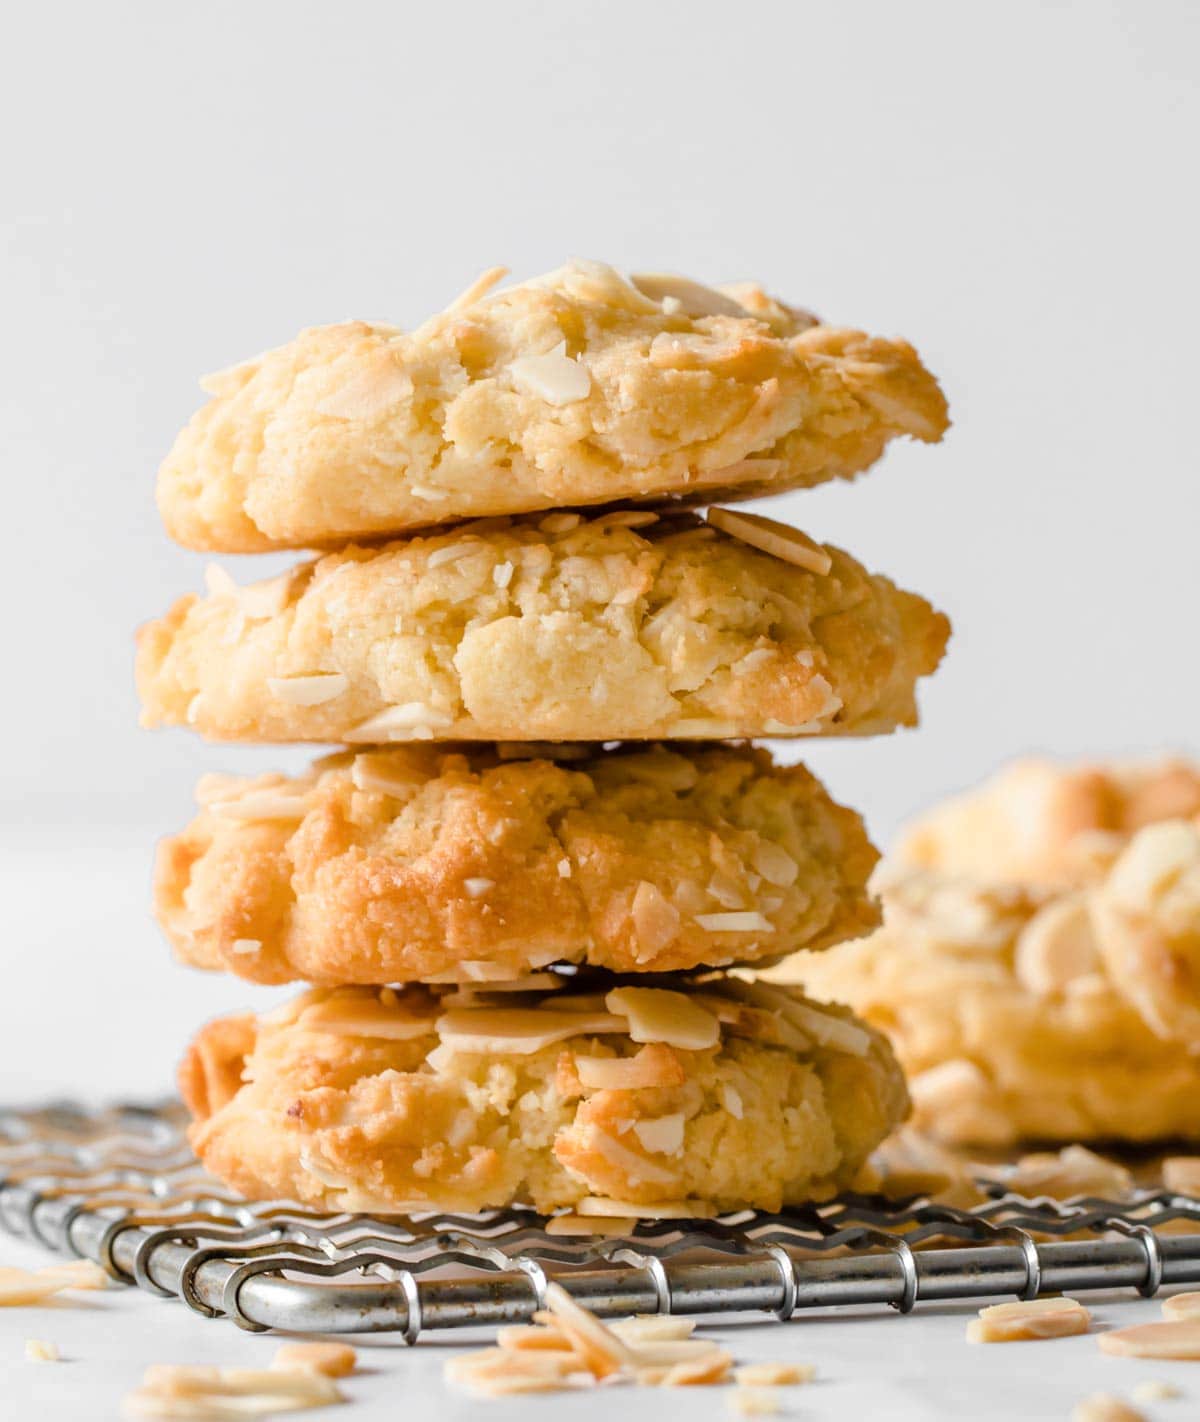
point(463, 864)
point(552, 629)
point(576, 388)
point(1147, 919)
point(625, 1099)
point(1007, 1021)
point(1046, 822)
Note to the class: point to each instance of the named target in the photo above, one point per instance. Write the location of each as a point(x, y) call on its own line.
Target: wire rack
point(120, 1186)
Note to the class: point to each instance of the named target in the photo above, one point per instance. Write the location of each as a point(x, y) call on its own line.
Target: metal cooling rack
point(120, 1186)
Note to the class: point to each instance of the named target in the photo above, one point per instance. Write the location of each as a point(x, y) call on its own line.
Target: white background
point(1011, 187)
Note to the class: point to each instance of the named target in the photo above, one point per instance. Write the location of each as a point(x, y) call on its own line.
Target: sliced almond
point(653, 1328)
point(658, 1210)
point(1177, 1338)
point(362, 1016)
point(78, 1274)
point(636, 1167)
point(41, 1350)
point(743, 921)
point(262, 806)
point(662, 1135)
point(1181, 1174)
point(693, 298)
point(1155, 1390)
point(713, 1367)
point(601, 1350)
point(333, 1360)
point(1028, 1320)
point(654, 1065)
point(661, 1015)
point(777, 539)
point(609, 1227)
point(21, 1286)
point(400, 723)
point(546, 1337)
point(478, 289)
point(373, 392)
point(314, 690)
point(656, 920)
point(1072, 1171)
point(754, 1401)
point(553, 377)
point(1182, 1306)
point(1056, 946)
point(521, 1031)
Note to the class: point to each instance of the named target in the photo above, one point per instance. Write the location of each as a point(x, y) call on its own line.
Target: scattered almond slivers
point(1182, 1306)
point(1028, 1320)
point(333, 1360)
point(1181, 1174)
point(26, 1286)
point(567, 1346)
point(1177, 1338)
point(169, 1390)
point(777, 539)
point(1072, 1171)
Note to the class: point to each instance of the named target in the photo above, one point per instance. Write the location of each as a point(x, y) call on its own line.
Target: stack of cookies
point(1038, 970)
point(517, 893)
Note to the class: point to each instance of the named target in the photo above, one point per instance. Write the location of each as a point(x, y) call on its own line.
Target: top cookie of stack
point(574, 389)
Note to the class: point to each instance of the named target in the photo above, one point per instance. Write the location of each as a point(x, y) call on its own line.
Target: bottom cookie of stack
point(690, 1097)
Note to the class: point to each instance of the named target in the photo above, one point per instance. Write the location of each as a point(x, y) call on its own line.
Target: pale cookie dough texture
point(1048, 823)
point(544, 629)
point(580, 387)
point(421, 862)
point(625, 1100)
point(1006, 1017)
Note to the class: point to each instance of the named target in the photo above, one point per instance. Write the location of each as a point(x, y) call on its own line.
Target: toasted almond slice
point(1057, 946)
point(312, 690)
point(637, 1168)
point(1027, 1320)
point(536, 1338)
point(669, 1351)
point(332, 1360)
point(650, 1377)
point(1182, 1306)
point(775, 1374)
point(615, 1227)
point(1178, 1338)
point(601, 1350)
point(77, 1274)
point(520, 1031)
point(653, 1065)
point(1104, 1407)
point(380, 387)
point(294, 1385)
point(478, 289)
point(735, 921)
point(1072, 1171)
point(661, 1015)
point(660, 1210)
point(777, 539)
point(414, 720)
point(365, 1017)
point(694, 298)
point(653, 1328)
point(661, 1135)
point(553, 377)
point(21, 1286)
point(1155, 1390)
point(754, 1401)
point(263, 805)
point(713, 1367)
point(1181, 1174)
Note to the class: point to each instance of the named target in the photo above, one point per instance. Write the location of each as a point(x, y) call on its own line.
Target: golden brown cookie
point(622, 1100)
point(576, 388)
point(1047, 822)
point(545, 629)
point(467, 864)
point(1005, 1017)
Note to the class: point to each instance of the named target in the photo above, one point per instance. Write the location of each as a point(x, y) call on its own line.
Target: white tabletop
point(95, 1008)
